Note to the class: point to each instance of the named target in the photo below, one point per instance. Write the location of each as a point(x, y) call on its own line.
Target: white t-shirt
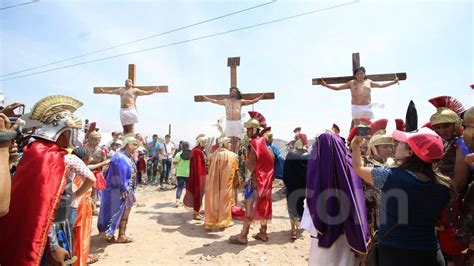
point(168, 150)
point(75, 168)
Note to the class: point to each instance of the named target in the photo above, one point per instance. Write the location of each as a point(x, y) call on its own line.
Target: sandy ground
point(164, 234)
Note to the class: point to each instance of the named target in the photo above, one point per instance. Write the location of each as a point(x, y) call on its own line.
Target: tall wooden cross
point(129, 122)
point(356, 64)
point(132, 75)
point(233, 63)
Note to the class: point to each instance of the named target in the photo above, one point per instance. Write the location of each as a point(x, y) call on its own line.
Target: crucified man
point(360, 88)
point(128, 100)
point(233, 107)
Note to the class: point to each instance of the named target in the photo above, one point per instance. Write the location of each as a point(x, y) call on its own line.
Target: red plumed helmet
point(352, 134)
point(448, 102)
point(378, 125)
point(260, 118)
point(400, 124)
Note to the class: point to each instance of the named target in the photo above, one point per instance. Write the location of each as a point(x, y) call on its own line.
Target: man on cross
point(233, 107)
point(128, 107)
point(360, 88)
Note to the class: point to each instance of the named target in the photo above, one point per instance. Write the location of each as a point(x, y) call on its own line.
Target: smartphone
point(362, 130)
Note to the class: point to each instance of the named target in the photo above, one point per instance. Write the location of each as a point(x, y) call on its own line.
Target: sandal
point(70, 261)
point(293, 235)
point(235, 240)
point(259, 237)
point(92, 259)
point(110, 239)
point(197, 217)
point(126, 241)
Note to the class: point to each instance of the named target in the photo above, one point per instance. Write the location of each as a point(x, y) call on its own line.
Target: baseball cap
point(425, 143)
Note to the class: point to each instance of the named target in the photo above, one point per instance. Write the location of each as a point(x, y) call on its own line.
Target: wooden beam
point(245, 96)
point(355, 61)
point(375, 77)
point(233, 63)
point(132, 74)
point(161, 89)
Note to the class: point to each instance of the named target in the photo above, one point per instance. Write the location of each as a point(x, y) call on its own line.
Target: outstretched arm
point(336, 88)
point(115, 91)
point(219, 102)
point(249, 102)
point(139, 92)
point(378, 85)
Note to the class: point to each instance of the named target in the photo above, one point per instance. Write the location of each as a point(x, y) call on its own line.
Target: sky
point(432, 41)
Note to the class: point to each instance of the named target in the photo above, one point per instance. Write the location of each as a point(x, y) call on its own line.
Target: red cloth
point(264, 177)
point(447, 237)
point(196, 181)
point(304, 139)
point(141, 164)
point(36, 191)
point(100, 182)
point(214, 148)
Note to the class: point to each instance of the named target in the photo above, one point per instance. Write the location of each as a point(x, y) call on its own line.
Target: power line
point(17, 5)
point(142, 39)
point(186, 41)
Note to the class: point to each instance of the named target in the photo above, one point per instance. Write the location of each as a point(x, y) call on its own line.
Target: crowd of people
point(377, 198)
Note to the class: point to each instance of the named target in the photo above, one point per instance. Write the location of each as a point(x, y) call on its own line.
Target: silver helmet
point(56, 116)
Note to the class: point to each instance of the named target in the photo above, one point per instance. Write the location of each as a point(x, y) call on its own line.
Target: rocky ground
point(165, 234)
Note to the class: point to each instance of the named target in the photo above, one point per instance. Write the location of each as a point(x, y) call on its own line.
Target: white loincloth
point(339, 253)
point(234, 128)
point(128, 116)
point(364, 111)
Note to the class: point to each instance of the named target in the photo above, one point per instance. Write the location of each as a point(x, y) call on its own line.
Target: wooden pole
point(233, 63)
point(355, 61)
point(132, 73)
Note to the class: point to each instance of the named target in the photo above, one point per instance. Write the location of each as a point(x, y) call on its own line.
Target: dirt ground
point(165, 234)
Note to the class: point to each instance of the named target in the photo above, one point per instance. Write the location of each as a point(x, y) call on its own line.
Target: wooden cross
point(132, 76)
point(233, 63)
point(356, 64)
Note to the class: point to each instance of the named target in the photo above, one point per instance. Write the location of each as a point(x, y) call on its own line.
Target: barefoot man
point(360, 88)
point(233, 107)
point(128, 100)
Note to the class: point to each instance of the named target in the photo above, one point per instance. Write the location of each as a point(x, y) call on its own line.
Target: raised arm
point(5, 180)
point(115, 91)
point(346, 86)
point(378, 85)
point(219, 102)
point(250, 102)
point(364, 172)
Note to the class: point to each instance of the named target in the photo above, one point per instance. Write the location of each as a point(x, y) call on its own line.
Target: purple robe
point(336, 192)
point(118, 178)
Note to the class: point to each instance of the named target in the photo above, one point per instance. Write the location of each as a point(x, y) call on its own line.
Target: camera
point(362, 130)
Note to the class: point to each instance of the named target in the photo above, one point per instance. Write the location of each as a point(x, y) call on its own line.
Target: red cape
point(264, 177)
point(36, 191)
point(197, 179)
